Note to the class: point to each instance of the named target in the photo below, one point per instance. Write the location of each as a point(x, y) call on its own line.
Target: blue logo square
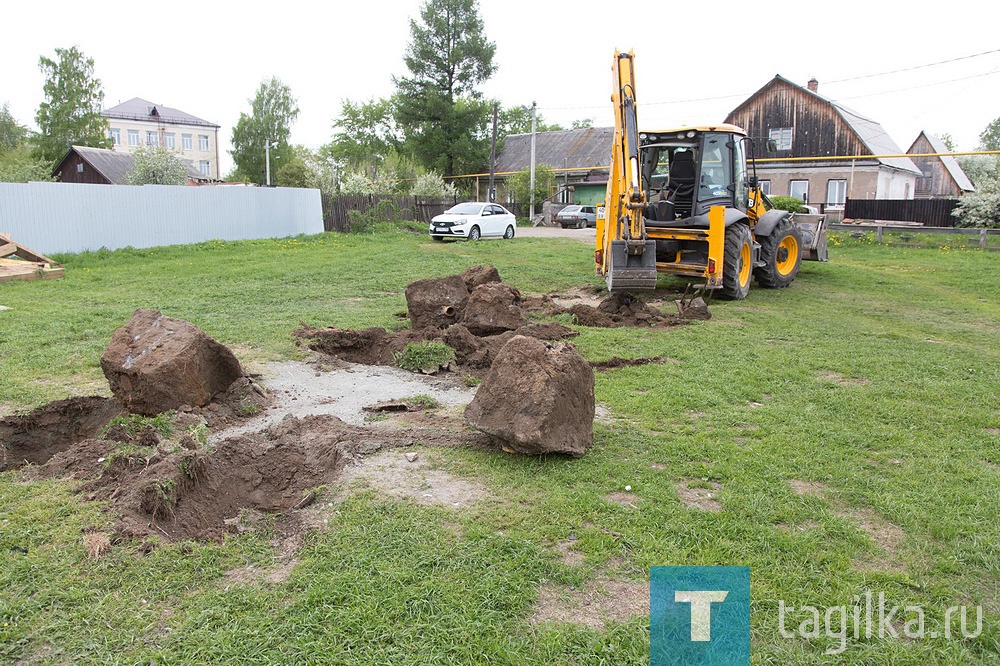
point(699, 616)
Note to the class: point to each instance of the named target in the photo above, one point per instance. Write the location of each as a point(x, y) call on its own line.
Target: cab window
point(716, 168)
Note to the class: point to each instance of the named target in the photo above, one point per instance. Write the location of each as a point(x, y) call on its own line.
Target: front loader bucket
point(813, 237)
point(635, 269)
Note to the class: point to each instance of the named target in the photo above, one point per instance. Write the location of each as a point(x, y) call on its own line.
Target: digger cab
point(687, 171)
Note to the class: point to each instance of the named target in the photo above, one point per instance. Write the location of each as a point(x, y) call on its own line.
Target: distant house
point(579, 157)
point(941, 176)
point(138, 122)
point(97, 166)
point(804, 124)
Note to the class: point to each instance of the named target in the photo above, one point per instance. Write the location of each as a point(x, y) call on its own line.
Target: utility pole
point(531, 179)
point(493, 157)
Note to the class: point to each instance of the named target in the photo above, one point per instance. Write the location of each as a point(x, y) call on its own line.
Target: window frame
point(205, 167)
point(203, 143)
point(169, 140)
point(132, 136)
point(152, 138)
point(187, 141)
point(783, 133)
point(841, 185)
point(115, 134)
point(791, 190)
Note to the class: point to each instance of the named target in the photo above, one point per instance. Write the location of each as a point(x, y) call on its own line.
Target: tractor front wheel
point(781, 253)
point(737, 264)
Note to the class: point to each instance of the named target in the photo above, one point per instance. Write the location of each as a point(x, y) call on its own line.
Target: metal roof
point(950, 163)
point(116, 166)
point(582, 149)
point(140, 109)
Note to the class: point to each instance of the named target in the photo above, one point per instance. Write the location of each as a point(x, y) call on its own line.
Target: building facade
point(825, 153)
point(138, 122)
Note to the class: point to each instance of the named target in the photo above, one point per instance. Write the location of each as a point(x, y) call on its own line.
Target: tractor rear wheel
point(737, 266)
point(781, 253)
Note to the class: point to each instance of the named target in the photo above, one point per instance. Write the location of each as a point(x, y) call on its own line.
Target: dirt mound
point(493, 308)
point(477, 275)
point(37, 436)
point(436, 302)
point(538, 397)
point(156, 363)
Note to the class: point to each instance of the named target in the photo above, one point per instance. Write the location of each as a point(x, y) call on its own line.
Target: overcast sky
point(695, 61)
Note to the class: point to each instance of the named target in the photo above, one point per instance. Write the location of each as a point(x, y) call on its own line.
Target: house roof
point(114, 166)
point(140, 109)
point(870, 133)
point(950, 163)
point(582, 149)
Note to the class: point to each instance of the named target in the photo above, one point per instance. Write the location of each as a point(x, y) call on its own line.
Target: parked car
point(473, 220)
point(577, 217)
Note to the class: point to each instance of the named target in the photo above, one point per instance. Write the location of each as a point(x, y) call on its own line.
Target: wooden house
point(98, 166)
point(579, 158)
point(803, 124)
point(941, 176)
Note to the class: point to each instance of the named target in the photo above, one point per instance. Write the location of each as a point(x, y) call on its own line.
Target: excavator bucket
point(813, 237)
point(632, 265)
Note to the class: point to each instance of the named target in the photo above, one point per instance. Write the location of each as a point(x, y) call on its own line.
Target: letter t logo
point(701, 610)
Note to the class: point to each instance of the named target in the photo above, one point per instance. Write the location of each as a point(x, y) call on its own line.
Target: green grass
point(874, 378)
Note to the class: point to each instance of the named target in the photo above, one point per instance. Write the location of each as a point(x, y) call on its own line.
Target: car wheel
point(474, 234)
point(439, 239)
point(510, 232)
point(582, 224)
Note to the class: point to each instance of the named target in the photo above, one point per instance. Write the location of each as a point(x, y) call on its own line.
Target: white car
point(473, 220)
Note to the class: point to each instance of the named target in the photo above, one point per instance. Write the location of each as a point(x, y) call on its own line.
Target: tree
point(583, 123)
point(432, 186)
point(948, 140)
point(71, 112)
point(156, 165)
point(364, 133)
point(12, 133)
point(18, 166)
point(519, 185)
point(442, 115)
point(990, 138)
point(272, 112)
point(982, 207)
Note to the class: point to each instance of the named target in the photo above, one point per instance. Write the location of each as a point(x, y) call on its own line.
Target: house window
point(152, 138)
point(170, 140)
point(765, 187)
point(116, 136)
point(133, 137)
point(836, 193)
point(205, 168)
point(187, 142)
point(202, 142)
point(782, 136)
point(799, 189)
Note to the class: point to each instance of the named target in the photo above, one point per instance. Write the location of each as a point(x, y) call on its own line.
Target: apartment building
point(139, 122)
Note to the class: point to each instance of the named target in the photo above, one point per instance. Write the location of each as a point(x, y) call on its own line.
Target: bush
point(432, 186)
point(791, 204)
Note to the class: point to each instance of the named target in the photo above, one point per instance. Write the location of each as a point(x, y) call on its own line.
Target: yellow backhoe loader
point(684, 201)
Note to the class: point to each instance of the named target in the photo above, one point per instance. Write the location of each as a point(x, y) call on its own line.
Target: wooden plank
point(7, 249)
point(30, 255)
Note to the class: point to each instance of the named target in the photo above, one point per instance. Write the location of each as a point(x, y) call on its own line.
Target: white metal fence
point(69, 217)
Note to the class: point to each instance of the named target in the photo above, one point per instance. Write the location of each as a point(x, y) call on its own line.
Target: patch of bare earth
point(887, 536)
point(698, 494)
point(625, 499)
point(842, 380)
point(568, 555)
point(394, 473)
point(593, 605)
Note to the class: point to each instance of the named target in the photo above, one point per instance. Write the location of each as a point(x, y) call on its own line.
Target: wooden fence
point(929, 212)
point(348, 212)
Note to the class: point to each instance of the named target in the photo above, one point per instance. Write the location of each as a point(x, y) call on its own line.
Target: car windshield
point(465, 209)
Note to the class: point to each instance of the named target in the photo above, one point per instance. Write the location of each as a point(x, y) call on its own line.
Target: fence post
point(982, 239)
point(880, 233)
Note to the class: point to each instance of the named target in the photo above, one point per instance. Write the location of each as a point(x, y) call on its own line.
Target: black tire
point(509, 233)
point(439, 239)
point(474, 234)
point(736, 267)
point(781, 253)
point(582, 224)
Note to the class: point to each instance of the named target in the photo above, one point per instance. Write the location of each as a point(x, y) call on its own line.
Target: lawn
point(840, 437)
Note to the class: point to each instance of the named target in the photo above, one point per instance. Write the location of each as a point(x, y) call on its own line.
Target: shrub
point(426, 357)
point(791, 204)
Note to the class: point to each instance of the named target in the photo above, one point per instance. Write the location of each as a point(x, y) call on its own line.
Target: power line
point(910, 69)
point(926, 85)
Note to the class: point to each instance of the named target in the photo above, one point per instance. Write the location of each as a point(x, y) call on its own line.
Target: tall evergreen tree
point(443, 117)
point(71, 112)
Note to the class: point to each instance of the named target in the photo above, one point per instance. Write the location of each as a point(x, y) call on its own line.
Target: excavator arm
point(624, 255)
